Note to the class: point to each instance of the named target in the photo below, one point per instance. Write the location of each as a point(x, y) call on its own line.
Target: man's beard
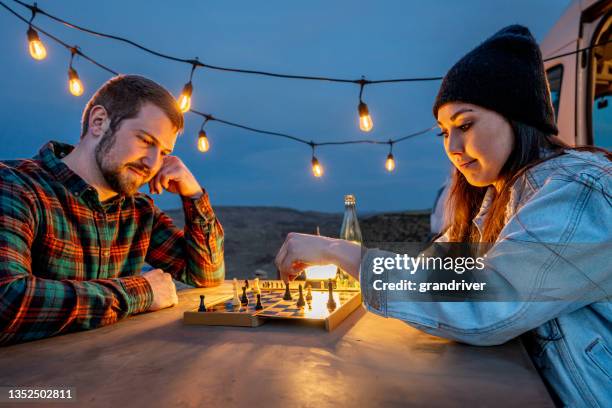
point(117, 175)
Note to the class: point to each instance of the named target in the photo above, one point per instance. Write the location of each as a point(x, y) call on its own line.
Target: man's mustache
point(145, 171)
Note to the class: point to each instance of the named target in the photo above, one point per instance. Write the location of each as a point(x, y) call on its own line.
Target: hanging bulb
point(317, 169)
point(390, 163)
point(74, 82)
point(365, 120)
point(203, 143)
point(37, 48)
point(184, 100)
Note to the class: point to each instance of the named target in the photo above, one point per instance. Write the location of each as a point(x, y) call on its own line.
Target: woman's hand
point(302, 250)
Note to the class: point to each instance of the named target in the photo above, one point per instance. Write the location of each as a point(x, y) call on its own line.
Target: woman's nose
point(455, 142)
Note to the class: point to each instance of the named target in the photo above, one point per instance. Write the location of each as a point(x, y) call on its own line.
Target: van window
point(555, 75)
point(602, 96)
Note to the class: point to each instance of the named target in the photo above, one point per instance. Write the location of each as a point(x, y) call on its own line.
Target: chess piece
point(308, 293)
point(287, 295)
point(244, 300)
point(236, 300)
point(246, 283)
point(300, 303)
point(202, 307)
point(256, 289)
point(258, 306)
point(331, 303)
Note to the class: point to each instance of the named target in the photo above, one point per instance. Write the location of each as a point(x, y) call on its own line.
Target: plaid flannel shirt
point(69, 262)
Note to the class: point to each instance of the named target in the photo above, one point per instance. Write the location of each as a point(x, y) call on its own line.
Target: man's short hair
point(124, 95)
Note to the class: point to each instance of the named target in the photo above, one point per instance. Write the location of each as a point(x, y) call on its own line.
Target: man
point(75, 232)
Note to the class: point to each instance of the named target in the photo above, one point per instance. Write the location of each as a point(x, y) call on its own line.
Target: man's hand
point(164, 290)
point(302, 250)
point(176, 178)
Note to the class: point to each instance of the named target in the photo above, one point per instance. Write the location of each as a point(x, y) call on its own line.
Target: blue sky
point(384, 39)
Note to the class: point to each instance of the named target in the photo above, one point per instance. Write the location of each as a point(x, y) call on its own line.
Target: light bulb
point(390, 163)
point(37, 48)
point(203, 143)
point(317, 169)
point(365, 120)
point(74, 82)
point(184, 100)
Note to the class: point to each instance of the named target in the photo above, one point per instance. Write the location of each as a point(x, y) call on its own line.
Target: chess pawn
point(308, 293)
point(202, 307)
point(256, 289)
point(258, 306)
point(244, 300)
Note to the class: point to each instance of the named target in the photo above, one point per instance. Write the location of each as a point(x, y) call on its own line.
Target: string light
point(203, 143)
point(38, 51)
point(365, 120)
point(317, 169)
point(184, 100)
point(390, 162)
point(74, 82)
point(37, 48)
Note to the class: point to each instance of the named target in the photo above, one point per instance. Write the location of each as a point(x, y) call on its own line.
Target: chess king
point(75, 232)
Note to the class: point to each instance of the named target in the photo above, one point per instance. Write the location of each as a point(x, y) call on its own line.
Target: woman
point(544, 208)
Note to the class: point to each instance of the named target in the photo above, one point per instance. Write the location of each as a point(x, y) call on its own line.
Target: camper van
point(580, 83)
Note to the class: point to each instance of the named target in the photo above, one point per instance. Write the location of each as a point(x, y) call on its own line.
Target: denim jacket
point(563, 202)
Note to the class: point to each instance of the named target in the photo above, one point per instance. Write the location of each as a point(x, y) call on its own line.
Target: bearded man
point(75, 232)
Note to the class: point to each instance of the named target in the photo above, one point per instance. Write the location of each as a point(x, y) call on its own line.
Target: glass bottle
point(349, 231)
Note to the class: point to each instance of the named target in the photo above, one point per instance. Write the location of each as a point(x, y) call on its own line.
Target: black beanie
point(504, 74)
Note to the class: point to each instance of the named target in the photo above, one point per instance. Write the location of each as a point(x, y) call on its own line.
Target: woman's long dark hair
point(465, 200)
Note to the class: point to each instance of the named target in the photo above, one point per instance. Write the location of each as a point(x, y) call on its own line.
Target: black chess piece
point(202, 307)
point(246, 283)
point(308, 292)
point(258, 306)
point(287, 295)
point(331, 303)
point(244, 300)
point(300, 303)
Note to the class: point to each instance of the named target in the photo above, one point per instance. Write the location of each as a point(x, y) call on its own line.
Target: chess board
point(223, 313)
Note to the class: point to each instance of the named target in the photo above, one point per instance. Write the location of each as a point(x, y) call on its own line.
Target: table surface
point(153, 359)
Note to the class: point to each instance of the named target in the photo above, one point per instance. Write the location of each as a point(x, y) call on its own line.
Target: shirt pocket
point(601, 356)
point(60, 259)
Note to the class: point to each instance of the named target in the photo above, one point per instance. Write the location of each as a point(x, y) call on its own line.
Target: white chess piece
point(236, 299)
point(256, 289)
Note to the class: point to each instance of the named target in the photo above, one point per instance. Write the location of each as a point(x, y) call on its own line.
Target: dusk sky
point(384, 39)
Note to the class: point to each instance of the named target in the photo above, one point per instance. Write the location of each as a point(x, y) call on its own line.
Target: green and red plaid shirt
point(69, 262)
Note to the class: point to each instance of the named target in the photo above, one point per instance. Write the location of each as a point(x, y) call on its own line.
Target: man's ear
point(99, 121)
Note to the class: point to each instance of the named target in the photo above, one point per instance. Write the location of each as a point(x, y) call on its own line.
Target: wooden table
point(154, 360)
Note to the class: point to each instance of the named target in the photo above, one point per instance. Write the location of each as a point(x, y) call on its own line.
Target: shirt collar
point(487, 201)
point(51, 154)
